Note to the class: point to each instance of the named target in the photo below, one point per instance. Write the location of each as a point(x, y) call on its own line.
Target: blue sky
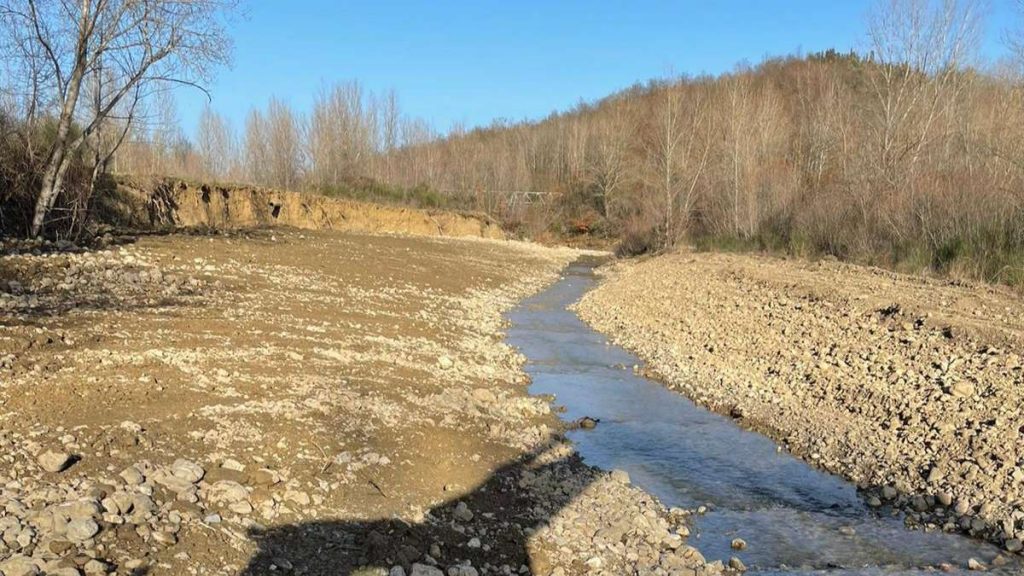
point(473, 61)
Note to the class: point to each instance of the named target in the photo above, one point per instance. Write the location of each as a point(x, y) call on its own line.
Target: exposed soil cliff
point(162, 204)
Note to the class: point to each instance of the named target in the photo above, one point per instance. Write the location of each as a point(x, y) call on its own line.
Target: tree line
point(908, 153)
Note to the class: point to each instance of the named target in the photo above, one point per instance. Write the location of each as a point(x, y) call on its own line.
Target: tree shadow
point(489, 527)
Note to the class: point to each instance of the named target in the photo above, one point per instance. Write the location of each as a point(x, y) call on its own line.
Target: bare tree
point(609, 160)
point(677, 153)
point(919, 48)
point(217, 145)
point(1014, 38)
point(135, 42)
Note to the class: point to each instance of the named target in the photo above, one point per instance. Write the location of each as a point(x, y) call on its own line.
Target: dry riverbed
point(911, 387)
point(296, 402)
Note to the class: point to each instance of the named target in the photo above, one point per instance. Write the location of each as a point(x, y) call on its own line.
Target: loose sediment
point(309, 403)
point(910, 387)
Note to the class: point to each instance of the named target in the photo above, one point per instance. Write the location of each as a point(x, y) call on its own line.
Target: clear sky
point(472, 61)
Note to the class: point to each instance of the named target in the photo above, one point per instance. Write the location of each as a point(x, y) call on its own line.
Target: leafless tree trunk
point(136, 42)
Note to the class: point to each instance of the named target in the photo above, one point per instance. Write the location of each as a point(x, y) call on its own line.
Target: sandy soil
point(911, 387)
point(289, 402)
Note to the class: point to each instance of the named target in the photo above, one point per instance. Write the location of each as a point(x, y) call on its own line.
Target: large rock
point(188, 470)
point(228, 491)
point(82, 529)
point(55, 462)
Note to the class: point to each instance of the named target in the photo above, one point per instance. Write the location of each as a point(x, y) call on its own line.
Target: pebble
point(737, 564)
point(620, 476)
point(425, 570)
point(132, 476)
point(738, 544)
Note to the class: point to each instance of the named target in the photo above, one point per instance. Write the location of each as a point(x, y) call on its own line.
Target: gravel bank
point(285, 402)
point(910, 387)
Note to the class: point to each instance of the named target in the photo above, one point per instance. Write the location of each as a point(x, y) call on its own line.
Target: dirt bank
point(295, 402)
point(908, 386)
point(166, 203)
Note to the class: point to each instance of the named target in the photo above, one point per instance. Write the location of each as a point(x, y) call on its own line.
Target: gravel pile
point(912, 388)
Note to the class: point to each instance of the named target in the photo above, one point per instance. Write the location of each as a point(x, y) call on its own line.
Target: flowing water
point(794, 518)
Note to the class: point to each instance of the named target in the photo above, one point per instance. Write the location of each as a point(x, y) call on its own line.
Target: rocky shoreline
point(286, 402)
point(909, 387)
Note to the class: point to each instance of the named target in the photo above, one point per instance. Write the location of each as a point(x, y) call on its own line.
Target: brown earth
point(295, 402)
point(146, 204)
point(911, 387)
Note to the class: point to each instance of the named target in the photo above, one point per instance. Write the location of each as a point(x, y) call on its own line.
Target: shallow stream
point(794, 518)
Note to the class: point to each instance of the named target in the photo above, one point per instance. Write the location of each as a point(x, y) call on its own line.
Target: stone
point(1014, 545)
point(176, 484)
point(484, 396)
point(976, 565)
point(297, 497)
point(19, 566)
point(690, 554)
point(82, 509)
point(264, 477)
point(620, 476)
point(445, 363)
point(737, 564)
point(95, 566)
point(425, 570)
point(738, 544)
point(473, 543)
point(82, 529)
point(462, 513)
point(889, 493)
point(55, 462)
point(234, 465)
point(187, 470)
point(132, 476)
point(165, 538)
point(228, 491)
point(142, 506)
point(962, 389)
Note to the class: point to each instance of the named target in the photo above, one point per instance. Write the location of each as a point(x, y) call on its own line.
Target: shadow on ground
point(505, 509)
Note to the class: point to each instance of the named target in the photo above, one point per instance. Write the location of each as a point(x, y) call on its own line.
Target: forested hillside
point(908, 154)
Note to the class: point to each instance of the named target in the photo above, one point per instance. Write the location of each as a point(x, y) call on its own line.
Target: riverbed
point(793, 518)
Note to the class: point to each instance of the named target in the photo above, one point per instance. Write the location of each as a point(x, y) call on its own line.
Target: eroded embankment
point(169, 204)
point(295, 402)
point(909, 386)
